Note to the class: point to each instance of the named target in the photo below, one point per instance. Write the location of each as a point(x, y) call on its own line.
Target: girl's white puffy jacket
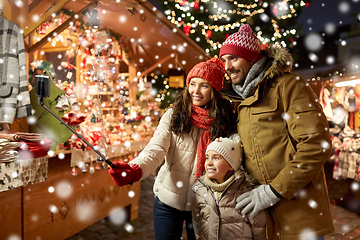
point(173, 184)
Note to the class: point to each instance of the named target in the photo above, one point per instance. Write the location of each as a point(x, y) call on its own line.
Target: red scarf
point(201, 119)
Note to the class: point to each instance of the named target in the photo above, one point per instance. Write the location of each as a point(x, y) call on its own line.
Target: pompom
point(218, 62)
point(245, 28)
point(235, 137)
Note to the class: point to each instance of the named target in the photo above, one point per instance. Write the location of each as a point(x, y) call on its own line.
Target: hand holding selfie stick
point(42, 89)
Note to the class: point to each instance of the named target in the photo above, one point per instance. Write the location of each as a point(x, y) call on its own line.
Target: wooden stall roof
point(153, 38)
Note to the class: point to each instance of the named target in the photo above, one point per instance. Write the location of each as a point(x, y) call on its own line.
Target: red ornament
point(187, 29)
point(307, 4)
point(208, 33)
point(83, 63)
point(291, 40)
point(182, 3)
point(275, 10)
point(42, 30)
point(73, 172)
point(263, 46)
point(227, 35)
point(196, 6)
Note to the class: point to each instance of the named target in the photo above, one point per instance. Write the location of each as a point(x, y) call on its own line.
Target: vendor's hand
point(256, 200)
point(123, 174)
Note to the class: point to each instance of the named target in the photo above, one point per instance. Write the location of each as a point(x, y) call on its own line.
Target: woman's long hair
point(219, 109)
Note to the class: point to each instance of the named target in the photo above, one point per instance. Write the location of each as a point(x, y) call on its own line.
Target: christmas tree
point(209, 22)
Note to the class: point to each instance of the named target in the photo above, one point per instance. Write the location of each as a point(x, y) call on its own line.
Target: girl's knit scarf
point(201, 119)
point(218, 188)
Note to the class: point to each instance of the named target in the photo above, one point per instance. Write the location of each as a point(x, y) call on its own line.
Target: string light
point(242, 12)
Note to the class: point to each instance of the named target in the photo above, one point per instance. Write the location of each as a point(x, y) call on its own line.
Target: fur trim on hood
point(282, 60)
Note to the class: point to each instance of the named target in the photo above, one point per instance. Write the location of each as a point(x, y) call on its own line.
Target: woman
point(199, 115)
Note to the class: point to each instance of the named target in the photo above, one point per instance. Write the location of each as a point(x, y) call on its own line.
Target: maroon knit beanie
point(243, 44)
point(212, 70)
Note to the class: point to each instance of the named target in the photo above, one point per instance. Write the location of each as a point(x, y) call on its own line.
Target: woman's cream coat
point(177, 175)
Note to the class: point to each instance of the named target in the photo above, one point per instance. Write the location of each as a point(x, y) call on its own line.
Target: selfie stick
point(41, 89)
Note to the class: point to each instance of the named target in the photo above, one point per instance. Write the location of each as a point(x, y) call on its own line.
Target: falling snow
point(285, 116)
point(307, 234)
point(117, 216)
point(85, 212)
point(313, 42)
point(355, 186)
point(179, 184)
point(14, 237)
point(63, 189)
point(313, 204)
point(128, 227)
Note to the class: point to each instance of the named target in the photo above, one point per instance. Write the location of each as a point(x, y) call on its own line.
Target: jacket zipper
point(216, 202)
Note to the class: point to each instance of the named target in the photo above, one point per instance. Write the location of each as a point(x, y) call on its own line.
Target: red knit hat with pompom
point(243, 44)
point(212, 70)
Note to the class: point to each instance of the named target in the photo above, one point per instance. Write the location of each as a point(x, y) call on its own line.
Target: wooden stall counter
point(64, 204)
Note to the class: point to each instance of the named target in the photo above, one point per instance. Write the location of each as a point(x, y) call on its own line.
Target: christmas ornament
point(73, 172)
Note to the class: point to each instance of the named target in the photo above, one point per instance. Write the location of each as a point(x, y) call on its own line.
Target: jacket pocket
point(163, 174)
point(6, 91)
point(305, 112)
point(270, 106)
point(304, 106)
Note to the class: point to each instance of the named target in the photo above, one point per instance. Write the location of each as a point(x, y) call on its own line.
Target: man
point(285, 137)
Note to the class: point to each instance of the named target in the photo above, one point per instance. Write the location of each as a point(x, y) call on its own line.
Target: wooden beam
point(24, 11)
point(15, 12)
point(45, 16)
point(34, 4)
point(60, 28)
point(147, 54)
point(150, 69)
point(131, 50)
point(178, 64)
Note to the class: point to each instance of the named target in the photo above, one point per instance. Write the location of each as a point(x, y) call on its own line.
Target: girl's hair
point(219, 109)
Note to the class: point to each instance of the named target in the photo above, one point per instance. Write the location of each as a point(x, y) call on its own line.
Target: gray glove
point(256, 200)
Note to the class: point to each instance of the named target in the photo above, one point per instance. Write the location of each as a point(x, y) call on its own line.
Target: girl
point(214, 213)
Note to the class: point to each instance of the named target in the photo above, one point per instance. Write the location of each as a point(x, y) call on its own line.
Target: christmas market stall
point(338, 88)
point(109, 69)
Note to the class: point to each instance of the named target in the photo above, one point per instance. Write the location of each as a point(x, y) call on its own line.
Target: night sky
point(322, 12)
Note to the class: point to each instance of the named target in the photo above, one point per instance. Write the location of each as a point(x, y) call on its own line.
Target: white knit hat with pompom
point(229, 148)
